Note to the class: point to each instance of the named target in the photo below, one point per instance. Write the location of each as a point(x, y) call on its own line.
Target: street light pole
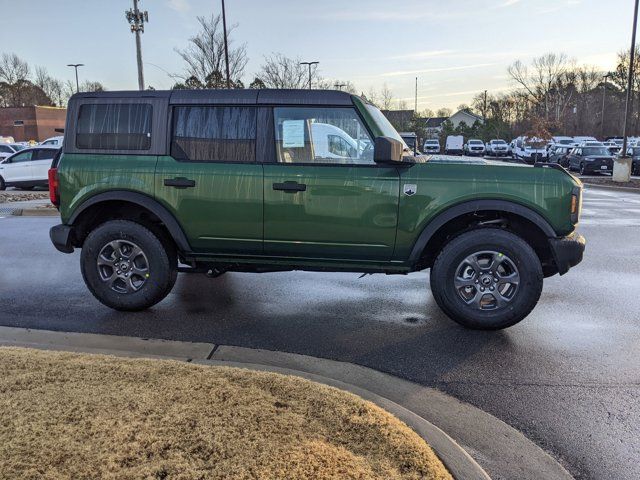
point(623, 171)
point(76, 65)
point(309, 64)
point(226, 46)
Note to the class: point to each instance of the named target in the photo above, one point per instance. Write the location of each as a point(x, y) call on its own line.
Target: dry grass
point(66, 415)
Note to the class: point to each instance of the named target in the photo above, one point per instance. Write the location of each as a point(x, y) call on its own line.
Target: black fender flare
point(474, 206)
point(145, 201)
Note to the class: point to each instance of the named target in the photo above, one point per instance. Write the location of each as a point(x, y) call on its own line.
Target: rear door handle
point(291, 187)
point(179, 182)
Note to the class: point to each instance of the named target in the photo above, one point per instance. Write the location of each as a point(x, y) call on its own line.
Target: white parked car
point(330, 141)
point(54, 141)
point(27, 168)
point(474, 147)
point(497, 148)
point(530, 150)
point(8, 149)
point(580, 139)
point(431, 146)
point(454, 145)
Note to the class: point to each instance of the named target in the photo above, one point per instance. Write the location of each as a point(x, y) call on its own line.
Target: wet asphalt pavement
point(568, 376)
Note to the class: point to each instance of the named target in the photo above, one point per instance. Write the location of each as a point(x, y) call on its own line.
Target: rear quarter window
point(118, 126)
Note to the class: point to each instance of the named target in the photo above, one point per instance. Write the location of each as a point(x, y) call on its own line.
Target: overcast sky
point(456, 48)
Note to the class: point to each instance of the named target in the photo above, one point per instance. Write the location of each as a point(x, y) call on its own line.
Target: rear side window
point(214, 134)
point(44, 154)
point(117, 126)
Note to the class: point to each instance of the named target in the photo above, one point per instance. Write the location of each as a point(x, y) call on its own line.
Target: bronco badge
point(410, 189)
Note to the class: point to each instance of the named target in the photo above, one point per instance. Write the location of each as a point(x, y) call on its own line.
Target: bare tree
point(444, 112)
point(13, 69)
point(204, 56)
point(543, 76)
point(279, 71)
point(52, 87)
point(386, 97)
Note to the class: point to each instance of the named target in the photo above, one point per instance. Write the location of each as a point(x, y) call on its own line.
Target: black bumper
point(567, 251)
point(61, 238)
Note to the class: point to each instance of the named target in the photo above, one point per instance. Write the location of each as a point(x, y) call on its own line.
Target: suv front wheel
point(487, 279)
point(126, 266)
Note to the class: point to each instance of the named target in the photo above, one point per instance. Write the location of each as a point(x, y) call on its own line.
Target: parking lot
point(567, 376)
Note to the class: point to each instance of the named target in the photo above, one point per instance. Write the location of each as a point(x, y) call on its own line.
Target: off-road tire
point(162, 265)
point(516, 249)
point(3, 185)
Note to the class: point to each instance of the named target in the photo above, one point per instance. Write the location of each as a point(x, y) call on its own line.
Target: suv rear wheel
point(487, 279)
point(126, 266)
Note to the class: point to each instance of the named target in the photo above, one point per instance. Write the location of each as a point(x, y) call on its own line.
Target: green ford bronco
point(153, 183)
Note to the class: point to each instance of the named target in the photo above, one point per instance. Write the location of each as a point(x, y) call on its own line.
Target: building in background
point(464, 116)
point(31, 123)
point(433, 126)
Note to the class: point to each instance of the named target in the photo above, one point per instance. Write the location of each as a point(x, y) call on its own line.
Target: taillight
point(54, 187)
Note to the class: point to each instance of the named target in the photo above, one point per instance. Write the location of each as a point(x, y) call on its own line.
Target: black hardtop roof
point(230, 97)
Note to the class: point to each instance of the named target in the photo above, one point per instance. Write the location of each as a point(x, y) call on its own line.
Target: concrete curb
point(35, 212)
point(473, 437)
point(612, 188)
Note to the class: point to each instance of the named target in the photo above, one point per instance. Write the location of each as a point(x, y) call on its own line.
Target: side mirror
point(387, 149)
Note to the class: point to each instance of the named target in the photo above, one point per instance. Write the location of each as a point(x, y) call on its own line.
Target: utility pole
point(309, 64)
point(226, 45)
point(484, 107)
point(622, 174)
point(415, 105)
point(137, 19)
point(76, 65)
point(604, 93)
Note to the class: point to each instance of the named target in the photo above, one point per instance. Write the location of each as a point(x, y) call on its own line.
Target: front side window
point(214, 134)
point(22, 157)
point(321, 135)
point(117, 126)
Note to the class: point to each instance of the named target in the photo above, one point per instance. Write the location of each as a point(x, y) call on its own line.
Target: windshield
point(383, 123)
point(534, 143)
point(17, 148)
point(432, 142)
point(475, 142)
point(595, 151)
point(498, 142)
point(565, 141)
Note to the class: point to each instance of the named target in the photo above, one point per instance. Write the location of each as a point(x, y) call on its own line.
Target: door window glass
point(117, 126)
point(321, 135)
point(44, 154)
point(21, 157)
point(214, 134)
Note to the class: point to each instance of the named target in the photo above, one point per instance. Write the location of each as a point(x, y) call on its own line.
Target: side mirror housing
point(387, 150)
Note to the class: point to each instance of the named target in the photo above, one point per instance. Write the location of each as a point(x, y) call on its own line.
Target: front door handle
point(290, 187)
point(179, 182)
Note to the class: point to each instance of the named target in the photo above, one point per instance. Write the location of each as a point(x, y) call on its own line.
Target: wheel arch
point(519, 219)
point(129, 205)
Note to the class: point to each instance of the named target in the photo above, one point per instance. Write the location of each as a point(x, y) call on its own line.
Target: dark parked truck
point(154, 183)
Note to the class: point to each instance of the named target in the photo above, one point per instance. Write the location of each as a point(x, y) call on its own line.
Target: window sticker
point(293, 134)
